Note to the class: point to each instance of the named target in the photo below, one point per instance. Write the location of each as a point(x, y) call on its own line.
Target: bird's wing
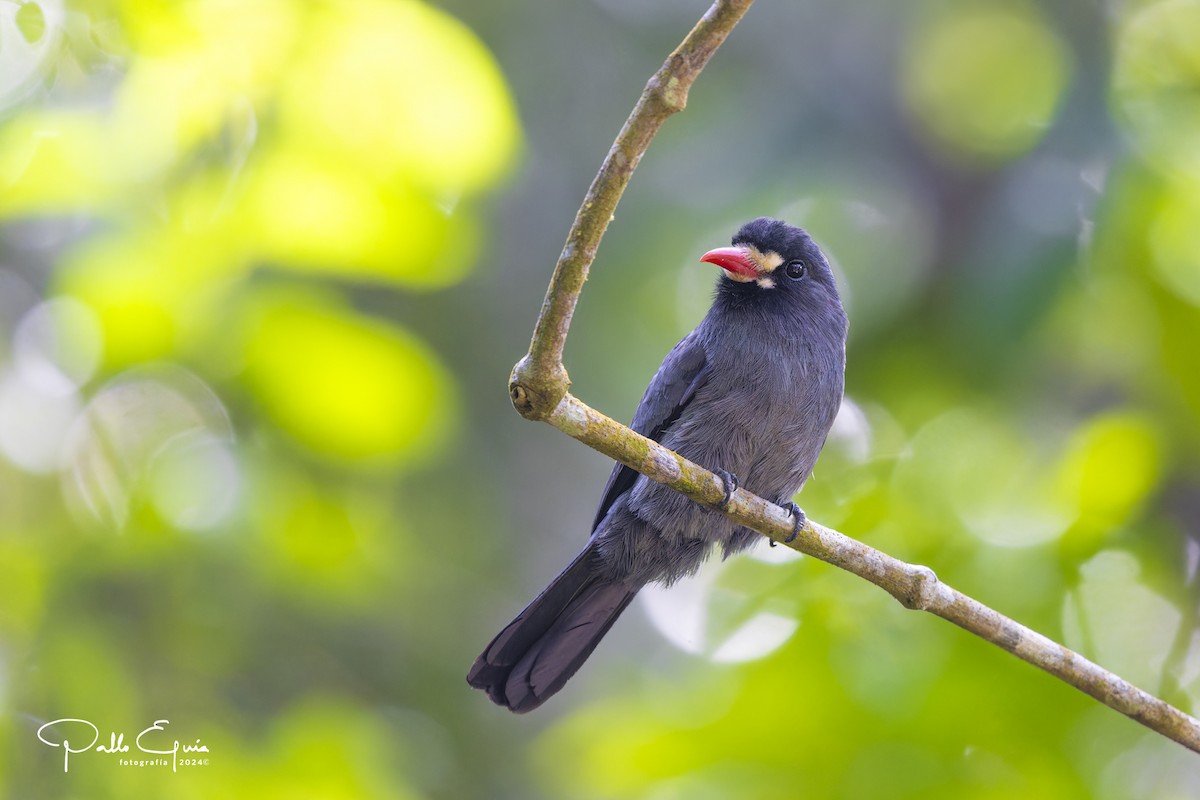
point(683, 371)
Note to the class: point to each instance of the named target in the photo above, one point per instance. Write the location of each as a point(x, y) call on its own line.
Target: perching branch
point(539, 391)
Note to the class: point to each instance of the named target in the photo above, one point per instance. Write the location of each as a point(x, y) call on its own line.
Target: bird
point(750, 394)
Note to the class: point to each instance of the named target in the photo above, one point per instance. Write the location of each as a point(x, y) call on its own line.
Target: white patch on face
point(767, 260)
point(766, 283)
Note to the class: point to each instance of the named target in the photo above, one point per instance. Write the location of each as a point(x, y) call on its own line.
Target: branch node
point(534, 391)
point(923, 590)
point(672, 93)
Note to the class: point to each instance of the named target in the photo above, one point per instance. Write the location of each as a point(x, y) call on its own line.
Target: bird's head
point(771, 258)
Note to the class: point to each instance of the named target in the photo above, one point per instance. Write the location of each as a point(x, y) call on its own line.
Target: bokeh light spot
point(409, 88)
point(1109, 468)
point(712, 614)
point(58, 344)
point(984, 79)
point(34, 422)
point(29, 33)
point(760, 635)
point(138, 286)
point(1156, 83)
point(193, 480)
point(345, 386)
point(1115, 619)
point(132, 422)
point(993, 479)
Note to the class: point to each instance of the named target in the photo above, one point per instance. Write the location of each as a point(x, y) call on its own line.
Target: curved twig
point(539, 380)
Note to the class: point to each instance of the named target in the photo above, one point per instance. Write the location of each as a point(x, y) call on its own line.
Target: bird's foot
point(798, 520)
point(731, 484)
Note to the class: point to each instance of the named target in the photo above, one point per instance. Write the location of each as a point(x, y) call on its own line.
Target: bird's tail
point(535, 655)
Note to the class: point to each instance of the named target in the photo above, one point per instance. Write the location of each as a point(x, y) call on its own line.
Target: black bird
point(752, 391)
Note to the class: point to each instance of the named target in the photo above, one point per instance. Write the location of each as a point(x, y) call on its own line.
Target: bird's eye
point(797, 269)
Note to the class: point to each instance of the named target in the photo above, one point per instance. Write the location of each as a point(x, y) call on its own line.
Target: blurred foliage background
point(264, 268)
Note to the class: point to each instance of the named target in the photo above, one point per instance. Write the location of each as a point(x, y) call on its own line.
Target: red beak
point(732, 259)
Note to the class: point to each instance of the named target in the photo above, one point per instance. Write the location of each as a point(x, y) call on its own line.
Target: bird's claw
point(798, 520)
point(731, 483)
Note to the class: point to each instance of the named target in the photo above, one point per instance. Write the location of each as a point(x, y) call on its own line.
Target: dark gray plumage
point(753, 390)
